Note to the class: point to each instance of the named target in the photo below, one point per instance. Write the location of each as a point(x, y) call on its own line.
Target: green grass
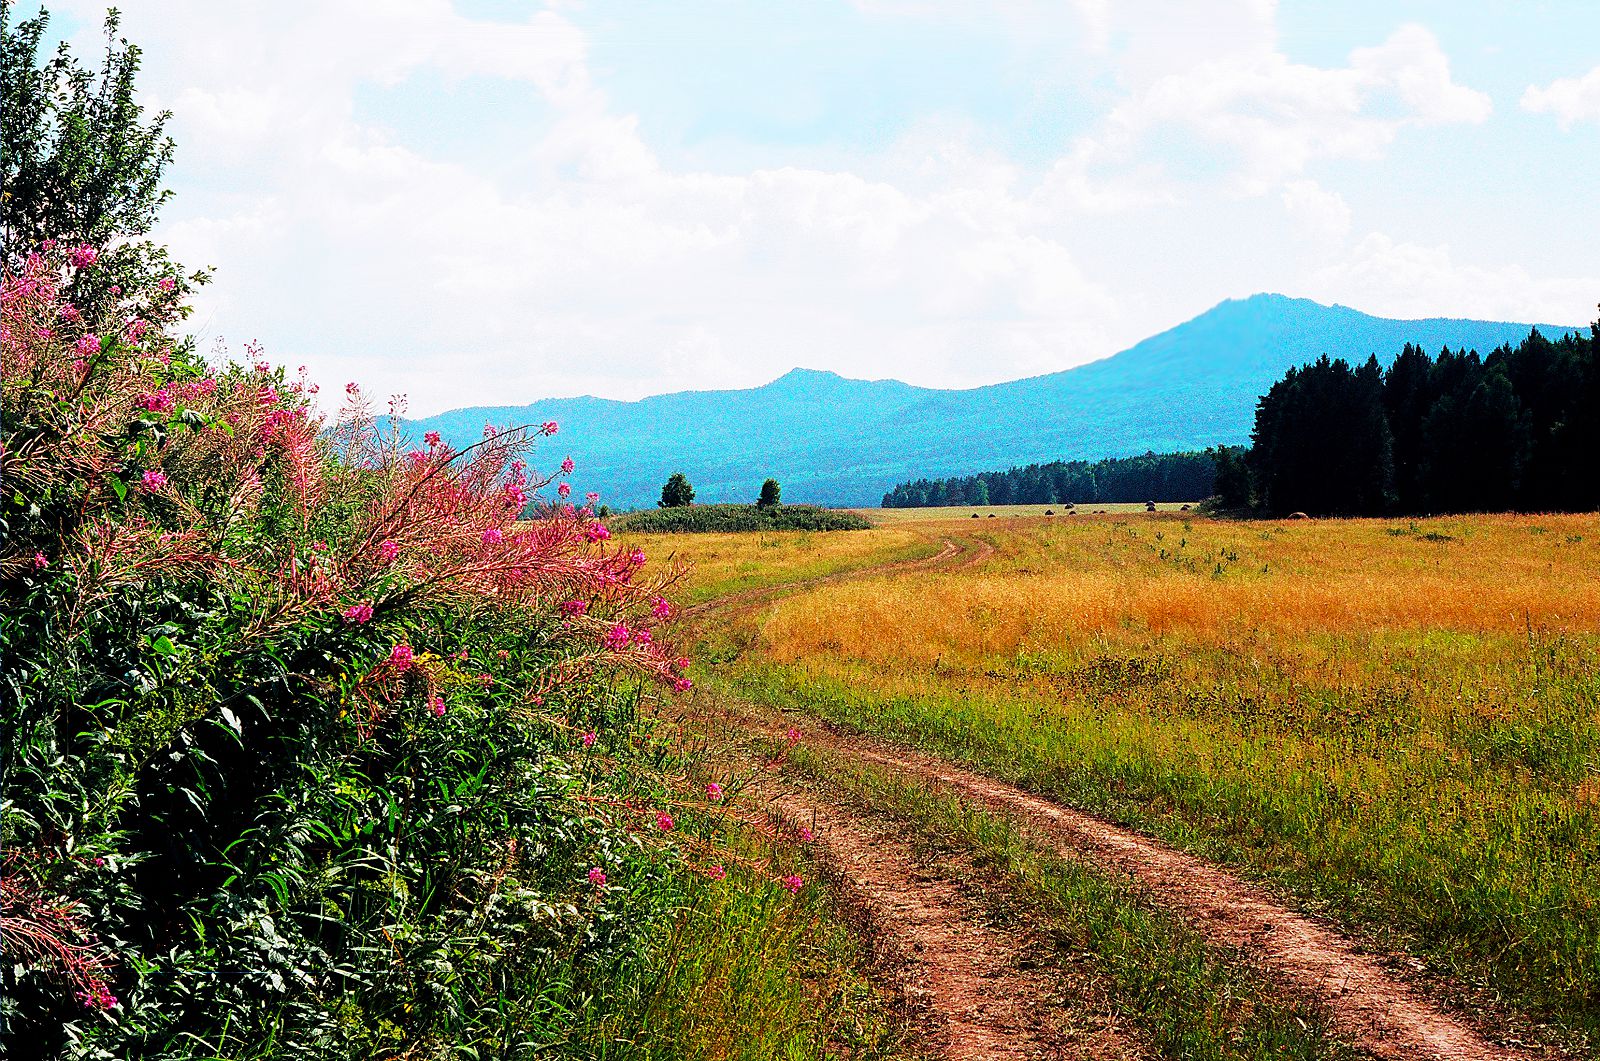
point(1453, 830)
point(1184, 999)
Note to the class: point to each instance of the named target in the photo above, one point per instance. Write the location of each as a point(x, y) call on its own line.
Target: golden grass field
point(1397, 721)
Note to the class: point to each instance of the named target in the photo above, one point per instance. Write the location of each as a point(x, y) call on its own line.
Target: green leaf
point(164, 645)
point(120, 487)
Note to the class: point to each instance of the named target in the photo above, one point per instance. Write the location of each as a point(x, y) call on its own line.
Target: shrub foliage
point(310, 745)
point(739, 518)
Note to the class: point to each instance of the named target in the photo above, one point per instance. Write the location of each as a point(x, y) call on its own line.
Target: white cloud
point(1570, 99)
point(1393, 278)
point(565, 256)
point(1280, 115)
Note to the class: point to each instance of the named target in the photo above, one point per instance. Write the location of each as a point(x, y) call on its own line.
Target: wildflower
point(70, 313)
point(664, 821)
point(388, 550)
point(548, 428)
point(352, 389)
point(401, 656)
point(167, 284)
point(486, 680)
point(492, 536)
point(661, 608)
point(589, 738)
point(436, 705)
point(565, 489)
point(597, 876)
point(358, 613)
point(516, 497)
point(431, 438)
point(575, 607)
point(83, 256)
point(591, 497)
point(490, 431)
point(98, 997)
point(682, 685)
point(596, 532)
point(682, 663)
point(713, 791)
point(502, 653)
point(641, 637)
point(136, 329)
point(637, 558)
point(159, 402)
point(40, 561)
point(116, 289)
point(567, 466)
point(418, 457)
point(263, 367)
point(716, 872)
point(806, 834)
point(618, 637)
point(793, 883)
point(154, 480)
point(794, 735)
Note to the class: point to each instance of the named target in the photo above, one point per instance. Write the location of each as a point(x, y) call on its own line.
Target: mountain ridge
point(831, 439)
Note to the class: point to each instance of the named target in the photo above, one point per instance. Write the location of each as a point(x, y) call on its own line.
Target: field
point(1393, 726)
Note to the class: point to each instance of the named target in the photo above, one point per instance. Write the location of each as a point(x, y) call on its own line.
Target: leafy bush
point(734, 518)
point(311, 747)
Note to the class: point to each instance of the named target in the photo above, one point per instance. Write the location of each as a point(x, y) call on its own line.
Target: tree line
point(1117, 480)
point(1516, 430)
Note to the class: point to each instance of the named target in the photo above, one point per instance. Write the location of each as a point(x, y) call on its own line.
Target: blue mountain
point(836, 441)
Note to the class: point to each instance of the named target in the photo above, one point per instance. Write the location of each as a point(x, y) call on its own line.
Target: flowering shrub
point(297, 711)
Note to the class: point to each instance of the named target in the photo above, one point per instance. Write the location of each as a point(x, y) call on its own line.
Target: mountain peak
point(807, 376)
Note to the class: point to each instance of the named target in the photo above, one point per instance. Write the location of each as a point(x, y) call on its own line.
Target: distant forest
point(1119, 480)
point(1516, 430)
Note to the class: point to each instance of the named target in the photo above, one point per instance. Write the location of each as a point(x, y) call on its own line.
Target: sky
point(488, 202)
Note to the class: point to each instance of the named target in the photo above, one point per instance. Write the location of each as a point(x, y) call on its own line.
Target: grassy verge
point(1184, 998)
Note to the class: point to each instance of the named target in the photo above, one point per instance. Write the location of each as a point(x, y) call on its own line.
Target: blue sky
point(492, 201)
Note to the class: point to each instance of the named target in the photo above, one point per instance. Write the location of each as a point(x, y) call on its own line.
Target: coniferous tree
point(770, 494)
point(676, 492)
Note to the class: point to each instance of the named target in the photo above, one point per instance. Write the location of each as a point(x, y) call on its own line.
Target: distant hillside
point(837, 441)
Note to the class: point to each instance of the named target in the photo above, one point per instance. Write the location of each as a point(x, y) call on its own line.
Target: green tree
point(676, 492)
point(771, 494)
point(82, 162)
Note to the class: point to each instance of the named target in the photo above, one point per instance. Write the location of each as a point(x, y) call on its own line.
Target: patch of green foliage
point(725, 519)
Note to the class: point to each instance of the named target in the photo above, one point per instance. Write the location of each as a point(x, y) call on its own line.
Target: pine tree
point(676, 493)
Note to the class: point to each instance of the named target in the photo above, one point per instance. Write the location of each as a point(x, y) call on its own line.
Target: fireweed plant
point(313, 743)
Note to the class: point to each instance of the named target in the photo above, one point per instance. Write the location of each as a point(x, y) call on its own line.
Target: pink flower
point(516, 496)
point(154, 480)
point(682, 685)
point(168, 284)
point(589, 738)
point(492, 536)
point(596, 532)
point(567, 466)
point(87, 346)
point(70, 313)
point(713, 791)
point(388, 550)
point(431, 438)
point(641, 637)
point(793, 883)
point(564, 489)
point(417, 457)
point(436, 705)
point(401, 657)
point(591, 497)
point(358, 613)
point(682, 663)
point(40, 561)
point(83, 256)
point(806, 834)
point(664, 821)
point(548, 428)
point(502, 653)
point(352, 389)
point(136, 329)
point(575, 607)
point(716, 872)
point(637, 558)
point(597, 876)
point(115, 289)
point(159, 402)
point(661, 608)
point(794, 735)
point(486, 680)
point(618, 637)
